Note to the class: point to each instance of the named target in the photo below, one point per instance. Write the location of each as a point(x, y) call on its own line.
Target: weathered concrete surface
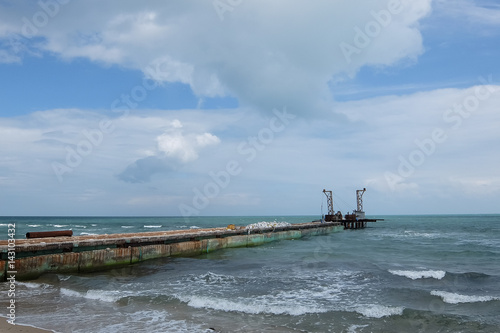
point(97, 252)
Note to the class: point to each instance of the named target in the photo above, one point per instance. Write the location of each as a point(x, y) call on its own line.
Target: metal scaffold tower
point(329, 201)
point(359, 196)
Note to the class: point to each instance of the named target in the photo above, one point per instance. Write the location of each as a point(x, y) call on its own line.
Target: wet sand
point(18, 328)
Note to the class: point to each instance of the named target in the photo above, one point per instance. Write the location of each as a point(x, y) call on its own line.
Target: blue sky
point(248, 107)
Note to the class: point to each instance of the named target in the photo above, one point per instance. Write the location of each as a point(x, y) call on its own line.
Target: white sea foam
point(353, 328)
point(87, 233)
point(33, 225)
point(60, 225)
point(152, 321)
point(212, 278)
point(100, 295)
point(327, 291)
point(127, 226)
point(152, 226)
point(251, 306)
point(70, 293)
point(33, 285)
point(429, 235)
point(194, 227)
point(379, 311)
point(105, 296)
point(29, 284)
point(414, 275)
point(453, 298)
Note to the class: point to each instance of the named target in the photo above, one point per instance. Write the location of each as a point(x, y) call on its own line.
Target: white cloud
point(177, 145)
point(164, 155)
point(207, 139)
point(478, 12)
point(266, 55)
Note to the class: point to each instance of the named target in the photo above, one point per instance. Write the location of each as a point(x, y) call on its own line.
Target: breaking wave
point(379, 311)
point(453, 298)
point(414, 275)
point(251, 306)
point(100, 295)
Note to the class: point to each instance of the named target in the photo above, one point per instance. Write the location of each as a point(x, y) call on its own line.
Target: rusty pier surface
point(33, 257)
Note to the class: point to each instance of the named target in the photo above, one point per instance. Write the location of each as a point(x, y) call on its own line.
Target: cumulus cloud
point(184, 148)
point(266, 55)
point(174, 148)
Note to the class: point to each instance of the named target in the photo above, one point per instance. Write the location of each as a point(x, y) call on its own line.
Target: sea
point(429, 273)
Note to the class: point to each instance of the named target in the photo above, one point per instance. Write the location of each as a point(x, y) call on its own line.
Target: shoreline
point(19, 328)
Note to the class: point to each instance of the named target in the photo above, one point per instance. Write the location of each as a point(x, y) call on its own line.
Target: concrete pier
point(34, 257)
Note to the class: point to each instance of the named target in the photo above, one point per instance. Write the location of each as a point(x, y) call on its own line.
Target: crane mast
point(360, 214)
point(329, 201)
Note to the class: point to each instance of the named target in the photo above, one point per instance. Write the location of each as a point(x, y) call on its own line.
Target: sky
point(239, 107)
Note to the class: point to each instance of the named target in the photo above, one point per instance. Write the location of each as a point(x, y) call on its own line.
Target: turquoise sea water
point(405, 274)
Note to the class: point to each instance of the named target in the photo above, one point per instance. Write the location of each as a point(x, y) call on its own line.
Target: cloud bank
point(264, 54)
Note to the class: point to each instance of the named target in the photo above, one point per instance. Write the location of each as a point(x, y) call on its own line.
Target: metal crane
point(329, 201)
point(360, 214)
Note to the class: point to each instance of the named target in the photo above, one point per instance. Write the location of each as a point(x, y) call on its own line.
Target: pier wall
point(86, 255)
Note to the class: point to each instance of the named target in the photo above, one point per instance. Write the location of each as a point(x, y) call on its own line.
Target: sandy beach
point(18, 328)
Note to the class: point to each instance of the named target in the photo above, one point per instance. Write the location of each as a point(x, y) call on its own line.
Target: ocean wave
point(33, 225)
point(353, 328)
point(250, 306)
point(153, 321)
point(213, 291)
point(414, 275)
point(194, 227)
point(33, 285)
point(429, 235)
point(100, 295)
point(212, 278)
point(152, 226)
point(468, 276)
point(127, 226)
point(60, 225)
point(379, 311)
point(63, 277)
point(414, 234)
point(87, 234)
point(453, 298)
